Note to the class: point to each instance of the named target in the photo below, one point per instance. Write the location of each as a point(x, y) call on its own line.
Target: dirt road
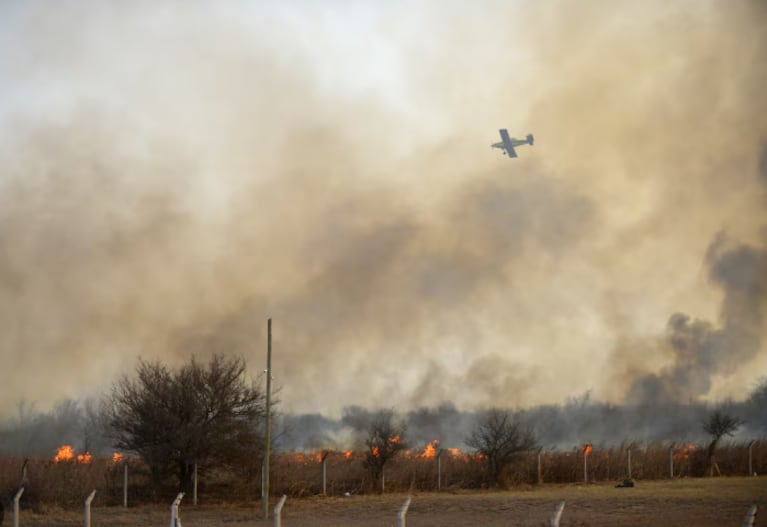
point(687, 502)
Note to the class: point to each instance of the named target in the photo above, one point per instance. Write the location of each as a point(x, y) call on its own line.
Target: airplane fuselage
point(507, 143)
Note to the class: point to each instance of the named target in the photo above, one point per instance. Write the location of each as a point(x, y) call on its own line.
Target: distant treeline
point(579, 420)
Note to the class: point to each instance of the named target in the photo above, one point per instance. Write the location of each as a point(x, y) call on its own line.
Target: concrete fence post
point(16, 499)
point(278, 511)
point(125, 485)
point(540, 469)
point(557, 514)
point(750, 519)
point(586, 451)
point(439, 470)
point(88, 502)
point(403, 512)
point(671, 461)
point(194, 488)
point(324, 477)
point(324, 459)
point(175, 521)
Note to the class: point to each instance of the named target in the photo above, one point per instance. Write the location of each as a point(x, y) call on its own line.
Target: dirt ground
point(686, 502)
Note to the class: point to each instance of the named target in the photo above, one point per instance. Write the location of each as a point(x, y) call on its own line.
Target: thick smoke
point(172, 176)
point(699, 350)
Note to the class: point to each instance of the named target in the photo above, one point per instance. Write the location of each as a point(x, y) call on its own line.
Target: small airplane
point(507, 143)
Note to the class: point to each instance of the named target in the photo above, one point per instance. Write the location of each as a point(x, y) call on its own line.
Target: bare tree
point(198, 414)
point(500, 438)
point(717, 426)
point(385, 439)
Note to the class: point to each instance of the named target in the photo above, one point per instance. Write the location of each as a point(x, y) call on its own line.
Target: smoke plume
point(173, 175)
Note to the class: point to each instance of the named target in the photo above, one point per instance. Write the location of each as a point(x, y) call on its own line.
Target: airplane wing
point(507, 143)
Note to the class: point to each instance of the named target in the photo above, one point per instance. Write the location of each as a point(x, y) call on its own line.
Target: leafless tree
point(385, 439)
point(717, 426)
point(500, 438)
point(200, 413)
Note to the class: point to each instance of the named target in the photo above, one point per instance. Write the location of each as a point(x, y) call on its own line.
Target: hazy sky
point(173, 173)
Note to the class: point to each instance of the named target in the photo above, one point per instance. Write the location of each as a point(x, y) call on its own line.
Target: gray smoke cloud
point(171, 176)
point(700, 350)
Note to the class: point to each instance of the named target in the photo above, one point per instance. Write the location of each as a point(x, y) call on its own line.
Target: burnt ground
point(686, 502)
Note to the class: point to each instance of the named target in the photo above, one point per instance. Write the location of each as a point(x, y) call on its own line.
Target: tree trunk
point(711, 456)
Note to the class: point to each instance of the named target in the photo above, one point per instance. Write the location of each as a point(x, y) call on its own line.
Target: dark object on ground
point(626, 484)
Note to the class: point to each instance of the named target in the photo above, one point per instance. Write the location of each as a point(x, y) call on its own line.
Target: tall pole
point(268, 417)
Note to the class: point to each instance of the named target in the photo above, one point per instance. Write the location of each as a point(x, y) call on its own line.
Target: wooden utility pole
point(265, 490)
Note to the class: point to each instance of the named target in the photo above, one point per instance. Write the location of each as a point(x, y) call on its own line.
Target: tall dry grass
point(67, 484)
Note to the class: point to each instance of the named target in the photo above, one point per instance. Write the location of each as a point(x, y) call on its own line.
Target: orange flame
point(430, 452)
point(684, 452)
point(375, 451)
point(348, 454)
point(117, 457)
point(454, 452)
point(64, 453)
point(587, 449)
point(84, 458)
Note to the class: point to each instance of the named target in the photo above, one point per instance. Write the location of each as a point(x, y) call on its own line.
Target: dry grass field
point(700, 502)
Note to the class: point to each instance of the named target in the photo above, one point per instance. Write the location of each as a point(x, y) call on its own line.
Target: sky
point(173, 174)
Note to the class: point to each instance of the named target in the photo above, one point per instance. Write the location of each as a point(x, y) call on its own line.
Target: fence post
point(540, 471)
point(324, 459)
point(88, 501)
point(629, 462)
point(383, 481)
point(439, 470)
point(278, 511)
point(16, 499)
point(750, 519)
point(751, 459)
point(402, 512)
point(125, 485)
point(175, 521)
point(557, 514)
point(194, 488)
point(671, 461)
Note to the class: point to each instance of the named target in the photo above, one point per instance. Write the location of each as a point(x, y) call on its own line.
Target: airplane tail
point(530, 139)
